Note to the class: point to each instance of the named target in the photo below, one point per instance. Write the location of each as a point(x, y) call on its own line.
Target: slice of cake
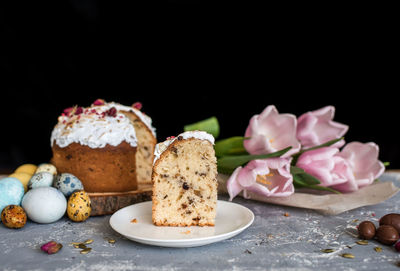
point(185, 181)
point(108, 146)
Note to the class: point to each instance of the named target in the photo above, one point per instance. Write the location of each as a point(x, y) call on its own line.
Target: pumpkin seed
point(82, 246)
point(378, 249)
point(362, 242)
point(86, 250)
point(327, 250)
point(347, 255)
point(89, 241)
point(75, 243)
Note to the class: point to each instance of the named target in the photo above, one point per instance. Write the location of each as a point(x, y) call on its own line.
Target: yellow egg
point(27, 168)
point(79, 206)
point(23, 178)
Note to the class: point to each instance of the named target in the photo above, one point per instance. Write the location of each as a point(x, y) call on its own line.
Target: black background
point(188, 62)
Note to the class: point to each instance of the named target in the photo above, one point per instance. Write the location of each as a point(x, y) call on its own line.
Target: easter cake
point(108, 146)
point(185, 181)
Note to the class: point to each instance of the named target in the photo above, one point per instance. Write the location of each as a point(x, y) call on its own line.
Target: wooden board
point(108, 203)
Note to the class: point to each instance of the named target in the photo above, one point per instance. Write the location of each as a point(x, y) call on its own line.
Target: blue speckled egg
point(11, 192)
point(44, 204)
point(67, 184)
point(41, 179)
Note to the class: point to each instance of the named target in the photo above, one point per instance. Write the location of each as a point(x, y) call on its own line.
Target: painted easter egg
point(27, 168)
point(46, 167)
point(67, 184)
point(41, 179)
point(44, 204)
point(11, 192)
point(79, 206)
point(13, 216)
point(23, 178)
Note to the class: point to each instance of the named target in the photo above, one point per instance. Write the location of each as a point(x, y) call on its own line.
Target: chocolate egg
point(387, 235)
point(13, 216)
point(79, 206)
point(392, 220)
point(366, 230)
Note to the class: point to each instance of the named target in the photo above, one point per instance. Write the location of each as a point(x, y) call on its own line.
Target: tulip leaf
point(228, 163)
point(209, 125)
point(296, 170)
point(305, 178)
point(298, 183)
point(230, 146)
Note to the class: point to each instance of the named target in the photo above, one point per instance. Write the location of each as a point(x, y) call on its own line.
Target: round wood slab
point(108, 203)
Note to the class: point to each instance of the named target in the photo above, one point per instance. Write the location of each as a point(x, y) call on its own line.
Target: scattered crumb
point(185, 232)
point(286, 214)
point(247, 251)
point(134, 220)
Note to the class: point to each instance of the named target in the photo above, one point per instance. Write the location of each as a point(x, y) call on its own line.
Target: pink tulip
point(364, 164)
point(269, 177)
point(317, 127)
point(270, 132)
point(326, 166)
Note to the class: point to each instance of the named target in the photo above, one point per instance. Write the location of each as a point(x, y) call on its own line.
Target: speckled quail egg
point(67, 184)
point(79, 206)
point(46, 167)
point(41, 179)
point(13, 216)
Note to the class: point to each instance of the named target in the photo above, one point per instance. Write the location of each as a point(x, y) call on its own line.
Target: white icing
point(93, 129)
point(144, 118)
point(162, 146)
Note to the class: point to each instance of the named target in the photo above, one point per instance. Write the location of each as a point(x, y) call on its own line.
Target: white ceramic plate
point(231, 220)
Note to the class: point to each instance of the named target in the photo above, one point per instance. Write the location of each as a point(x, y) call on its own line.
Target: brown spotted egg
point(13, 216)
point(79, 207)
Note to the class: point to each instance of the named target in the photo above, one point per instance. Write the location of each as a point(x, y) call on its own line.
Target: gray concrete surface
point(273, 242)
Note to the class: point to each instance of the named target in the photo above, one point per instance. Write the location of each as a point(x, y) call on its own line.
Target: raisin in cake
point(185, 181)
point(108, 146)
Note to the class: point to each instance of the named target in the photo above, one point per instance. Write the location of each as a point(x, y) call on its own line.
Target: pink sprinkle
point(112, 112)
point(170, 137)
point(99, 102)
point(373, 214)
point(78, 110)
point(137, 105)
point(68, 110)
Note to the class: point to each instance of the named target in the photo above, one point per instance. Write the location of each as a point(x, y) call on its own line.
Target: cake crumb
point(286, 214)
point(134, 220)
point(186, 232)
